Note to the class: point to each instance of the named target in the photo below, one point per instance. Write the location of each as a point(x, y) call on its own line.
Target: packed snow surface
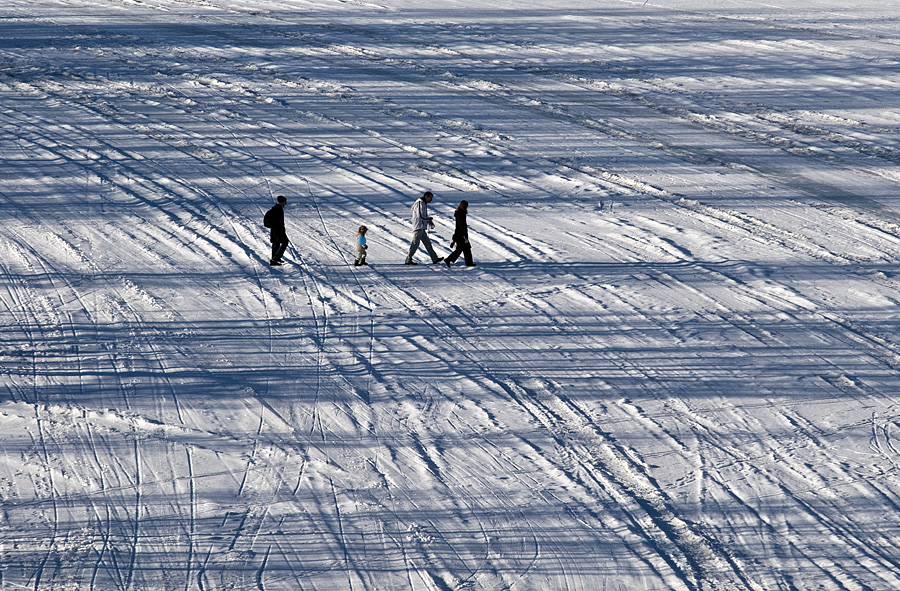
point(675, 366)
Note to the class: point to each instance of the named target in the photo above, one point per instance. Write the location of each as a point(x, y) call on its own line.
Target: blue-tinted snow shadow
point(533, 327)
point(141, 368)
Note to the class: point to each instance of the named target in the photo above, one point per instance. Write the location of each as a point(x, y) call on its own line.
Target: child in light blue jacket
point(361, 247)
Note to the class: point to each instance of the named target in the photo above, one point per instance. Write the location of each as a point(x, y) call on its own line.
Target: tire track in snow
point(32, 303)
point(214, 202)
point(323, 346)
point(812, 505)
point(696, 557)
point(260, 583)
point(777, 296)
point(766, 338)
point(129, 576)
point(649, 526)
point(643, 187)
point(799, 245)
point(633, 89)
point(763, 297)
point(418, 67)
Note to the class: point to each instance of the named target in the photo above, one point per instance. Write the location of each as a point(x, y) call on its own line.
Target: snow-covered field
point(675, 366)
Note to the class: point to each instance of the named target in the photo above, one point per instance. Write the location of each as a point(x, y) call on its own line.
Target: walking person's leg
point(278, 250)
point(451, 258)
point(414, 246)
point(467, 254)
point(427, 242)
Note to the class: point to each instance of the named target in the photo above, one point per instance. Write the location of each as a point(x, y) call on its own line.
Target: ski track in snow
point(674, 367)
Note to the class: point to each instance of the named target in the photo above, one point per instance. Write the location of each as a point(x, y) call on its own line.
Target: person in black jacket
point(278, 235)
point(461, 236)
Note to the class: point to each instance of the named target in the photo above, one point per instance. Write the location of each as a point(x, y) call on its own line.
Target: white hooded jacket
point(420, 219)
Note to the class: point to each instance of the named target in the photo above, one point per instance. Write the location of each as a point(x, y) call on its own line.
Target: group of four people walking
point(421, 223)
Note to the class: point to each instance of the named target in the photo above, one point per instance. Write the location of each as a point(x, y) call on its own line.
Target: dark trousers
point(278, 249)
point(463, 248)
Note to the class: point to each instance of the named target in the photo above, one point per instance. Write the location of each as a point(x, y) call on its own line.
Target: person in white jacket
point(421, 222)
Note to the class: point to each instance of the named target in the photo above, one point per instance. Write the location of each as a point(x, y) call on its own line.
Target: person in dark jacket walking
point(461, 236)
point(275, 222)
